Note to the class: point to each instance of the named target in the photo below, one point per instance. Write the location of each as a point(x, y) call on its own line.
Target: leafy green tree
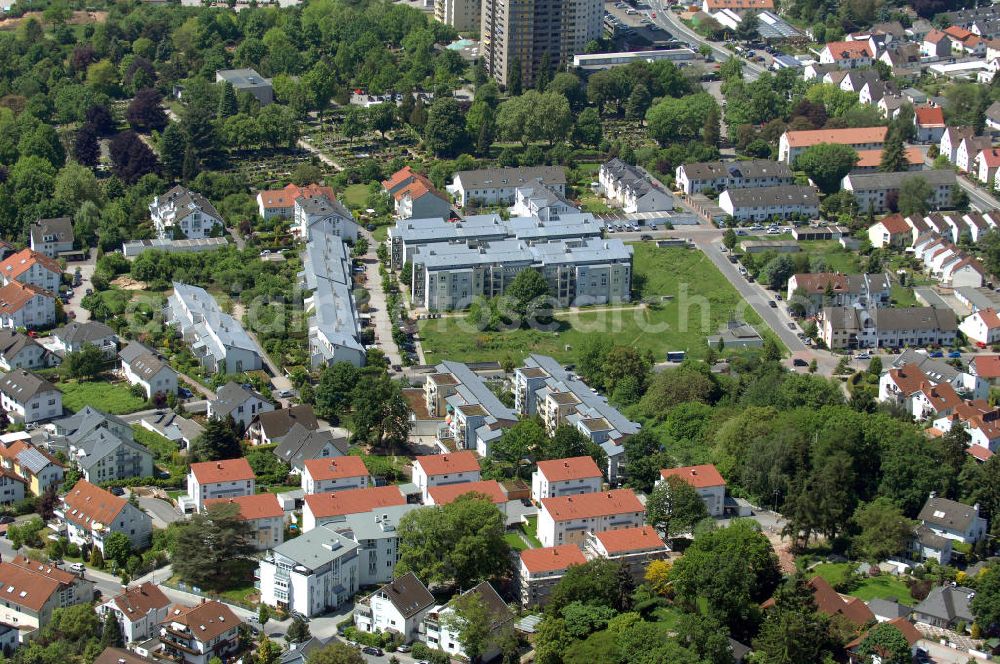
point(514, 77)
point(826, 164)
point(460, 543)
point(519, 443)
point(335, 652)
point(381, 416)
point(471, 621)
point(597, 582)
point(25, 534)
point(679, 119)
point(638, 103)
point(267, 651)
point(444, 133)
point(217, 442)
point(172, 148)
point(335, 389)
point(886, 642)
point(730, 239)
point(885, 532)
point(298, 631)
point(588, 129)
point(793, 630)
point(529, 294)
point(915, 196)
point(111, 632)
point(117, 548)
point(674, 507)
point(211, 549)
point(777, 271)
point(85, 363)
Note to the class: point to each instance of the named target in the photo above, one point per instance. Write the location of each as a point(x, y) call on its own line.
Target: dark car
point(301, 616)
point(117, 491)
point(772, 304)
point(4, 520)
point(185, 392)
point(799, 362)
point(954, 354)
point(372, 650)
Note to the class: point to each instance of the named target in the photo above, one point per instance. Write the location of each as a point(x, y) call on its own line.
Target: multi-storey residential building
point(377, 535)
point(414, 195)
point(440, 629)
point(540, 569)
point(73, 588)
point(921, 396)
point(13, 487)
point(875, 191)
point(182, 213)
point(311, 574)
point(72, 337)
point(238, 402)
point(333, 509)
point(26, 306)
point(498, 186)
point(538, 201)
point(706, 480)
point(141, 365)
point(52, 236)
point(543, 387)
point(847, 54)
point(38, 468)
point(102, 446)
point(444, 469)
point(633, 548)
point(197, 634)
point(943, 522)
point(819, 289)
point(31, 269)
point(397, 607)
point(139, 611)
point(579, 272)
point(29, 595)
point(330, 213)
point(231, 478)
point(28, 398)
point(475, 416)
point(90, 514)
point(981, 421)
point(333, 322)
point(565, 477)
point(632, 188)
point(781, 202)
point(280, 203)
point(263, 514)
point(966, 383)
point(217, 339)
point(490, 489)
point(847, 327)
point(19, 351)
point(795, 142)
point(463, 15)
point(567, 519)
point(718, 175)
point(337, 474)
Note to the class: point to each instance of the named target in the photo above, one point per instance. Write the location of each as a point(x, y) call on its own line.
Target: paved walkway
point(377, 305)
point(312, 149)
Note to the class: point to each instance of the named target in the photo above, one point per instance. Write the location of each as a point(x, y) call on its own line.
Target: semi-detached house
point(568, 519)
point(141, 365)
point(195, 635)
point(19, 351)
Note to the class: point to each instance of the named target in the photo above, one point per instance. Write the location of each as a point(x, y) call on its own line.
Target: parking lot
point(629, 21)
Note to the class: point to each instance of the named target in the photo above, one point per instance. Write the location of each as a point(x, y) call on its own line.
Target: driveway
point(79, 292)
point(162, 512)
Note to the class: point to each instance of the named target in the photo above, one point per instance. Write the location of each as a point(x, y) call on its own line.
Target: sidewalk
point(378, 304)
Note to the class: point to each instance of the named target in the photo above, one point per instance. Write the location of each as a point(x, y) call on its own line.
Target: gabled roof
point(552, 558)
point(353, 501)
point(408, 594)
point(929, 116)
point(574, 468)
point(987, 366)
point(137, 601)
point(590, 505)
point(228, 470)
point(989, 156)
point(301, 444)
point(21, 385)
point(277, 423)
point(935, 36)
point(13, 342)
point(25, 588)
point(844, 50)
point(989, 318)
point(253, 507)
point(463, 461)
point(231, 395)
point(15, 295)
point(948, 603)
point(285, 198)
point(16, 265)
point(51, 571)
point(60, 227)
point(83, 332)
point(122, 656)
point(207, 621)
point(947, 514)
point(856, 136)
point(88, 505)
point(699, 477)
point(499, 612)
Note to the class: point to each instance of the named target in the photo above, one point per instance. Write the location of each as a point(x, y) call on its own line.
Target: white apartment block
point(32, 269)
point(540, 569)
point(335, 474)
point(567, 519)
point(231, 478)
point(444, 470)
point(217, 339)
point(565, 477)
point(706, 480)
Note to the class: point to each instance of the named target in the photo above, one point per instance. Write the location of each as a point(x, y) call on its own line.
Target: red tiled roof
point(941, 396)
point(987, 366)
point(51, 571)
point(399, 177)
point(87, 505)
point(15, 295)
point(990, 156)
point(989, 317)
point(849, 49)
point(442, 495)
point(697, 476)
point(207, 621)
point(23, 587)
point(873, 158)
point(256, 506)
point(353, 501)
point(336, 468)
point(588, 505)
point(229, 470)
point(961, 34)
point(137, 601)
point(906, 628)
point(935, 35)
point(627, 540)
point(895, 224)
point(979, 452)
point(23, 260)
point(463, 461)
point(574, 468)
point(929, 116)
point(857, 136)
point(285, 198)
point(909, 378)
point(829, 602)
point(552, 558)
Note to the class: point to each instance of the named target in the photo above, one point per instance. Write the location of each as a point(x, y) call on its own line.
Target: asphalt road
point(978, 197)
point(672, 23)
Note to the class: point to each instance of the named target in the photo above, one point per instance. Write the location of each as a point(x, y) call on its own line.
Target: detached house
point(397, 607)
point(28, 398)
point(281, 202)
point(231, 478)
point(567, 519)
point(72, 337)
point(19, 351)
point(929, 121)
point(936, 44)
point(26, 306)
point(31, 269)
point(415, 196)
point(301, 445)
point(141, 365)
point(195, 635)
point(444, 469)
point(183, 214)
point(952, 520)
point(139, 611)
point(91, 514)
point(271, 426)
point(440, 631)
point(847, 54)
point(891, 231)
point(946, 606)
point(52, 236)
point(263, 515)
point(240, 402)
point(982, 327)
point(335, 474)
point(562, 477)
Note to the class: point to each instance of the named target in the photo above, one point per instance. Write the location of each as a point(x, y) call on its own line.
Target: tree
point(211, 549)
point(145, 112)
point(588, 129)
point(679, 119)
point(334, 653)
point(793, 630)
point(514, 76)
point(638, 103)
point(777, 271)
point(76, 184)
point(658, 576)
point(886, 642)
point(444, 133)
point(915, 196)
point(298, 631)
point(111, 632)
point(263, 614)
point(131, 158)
point(529, 295)
point(335, 389)
point(471, 621)
point(96, 558)
point(117, 548)
point(217, 442)
point(100, 118)
point(826, 164)
point(885, 532)
point(893, 153)
point(674, 507)
point(172, 147)
point(227, 101)
point(85, 363)
point(267, 651)
point(523, 441)
point(711, 133)
point(460, 543)
point(381, 416)
point(986, 604)
point(86, 149)
point(597, 582)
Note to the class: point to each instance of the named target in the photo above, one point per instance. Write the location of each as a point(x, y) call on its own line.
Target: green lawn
point(700, 301)
point(515, 541)
point(356, 195)
point(531, 531)
point(164, 451)
point(902, 296)
point(114, 398)
point(884, 586)
point(837, 258)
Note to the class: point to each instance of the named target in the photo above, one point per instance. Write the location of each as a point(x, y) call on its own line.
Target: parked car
point(791, 326)
point(954, 354)
point(937, 353)
point(772, 304)
point(403, 648)
point(372, 650)
point(185, 392)
point(645, 237)
point(799, 362)
point(4, 520)
point(862, 356)
point(79, 568)
point(117, 491)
